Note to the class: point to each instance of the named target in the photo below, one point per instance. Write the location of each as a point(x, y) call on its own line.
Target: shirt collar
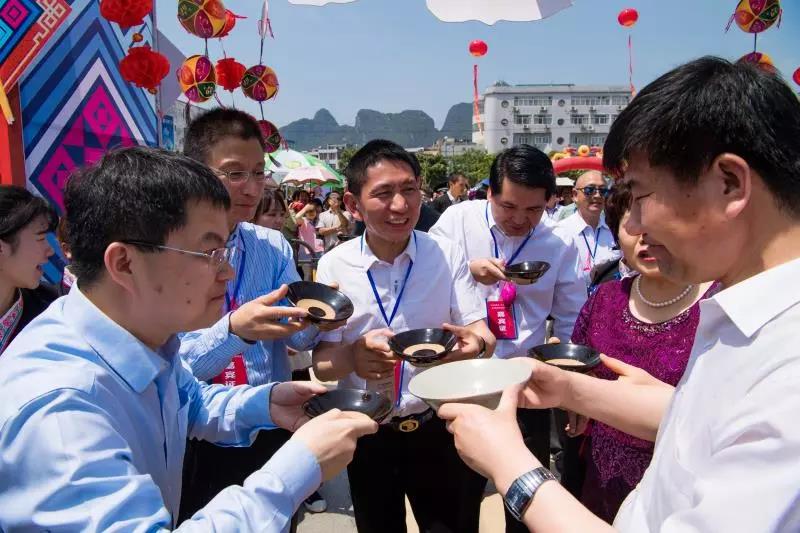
point(580, 225)
point(453, 199)
point(369, 259)
point(134, 362)
point(752, 303)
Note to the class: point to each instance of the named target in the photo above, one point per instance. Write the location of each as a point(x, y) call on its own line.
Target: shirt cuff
point(254, 412)
point(305, 339)
point(229, 341)
point(296, 467)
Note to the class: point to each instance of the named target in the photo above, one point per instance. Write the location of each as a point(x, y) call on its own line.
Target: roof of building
point(567, 88)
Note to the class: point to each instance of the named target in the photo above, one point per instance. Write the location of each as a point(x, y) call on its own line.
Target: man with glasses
point(96, 404)
point(249, 344)
point(587, 227)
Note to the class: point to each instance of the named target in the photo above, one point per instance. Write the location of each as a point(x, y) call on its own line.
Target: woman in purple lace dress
point(646, 321)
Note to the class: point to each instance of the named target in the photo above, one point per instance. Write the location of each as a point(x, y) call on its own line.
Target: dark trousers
point(445, 495)
point(535, 427)
point(207, 468)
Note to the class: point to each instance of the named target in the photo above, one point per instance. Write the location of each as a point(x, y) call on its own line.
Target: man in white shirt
point(334, 221)
point(400, 279)
point(506, 229)
point(587, 226)
point(727, 437)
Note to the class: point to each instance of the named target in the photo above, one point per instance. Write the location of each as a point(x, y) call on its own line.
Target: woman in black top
point(25, 220)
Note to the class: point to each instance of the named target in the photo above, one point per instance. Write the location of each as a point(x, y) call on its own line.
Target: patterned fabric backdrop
point(75, 104)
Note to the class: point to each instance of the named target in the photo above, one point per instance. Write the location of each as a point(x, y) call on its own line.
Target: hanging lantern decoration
point(230, 22)
point(144, 68)
point(477, 48)
point(260, 83)
point(126, 13)
point(761, 60)
point(198, 79)
point(229, 73)
point(628, 18)
point(272, 137)
point(796, 76)
point(755, 16)
point(203, 18)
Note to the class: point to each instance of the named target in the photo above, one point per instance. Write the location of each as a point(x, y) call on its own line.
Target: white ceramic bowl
point(477, 381)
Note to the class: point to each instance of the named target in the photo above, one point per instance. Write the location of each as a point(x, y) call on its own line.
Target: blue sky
point(392, 55)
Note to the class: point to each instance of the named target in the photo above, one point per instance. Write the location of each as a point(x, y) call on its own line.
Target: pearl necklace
point(637, 283)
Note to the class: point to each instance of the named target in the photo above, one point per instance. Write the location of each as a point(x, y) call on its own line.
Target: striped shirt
point(268, 264)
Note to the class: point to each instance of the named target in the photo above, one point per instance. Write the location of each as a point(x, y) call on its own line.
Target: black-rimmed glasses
point(590, 190)
point(217, 258)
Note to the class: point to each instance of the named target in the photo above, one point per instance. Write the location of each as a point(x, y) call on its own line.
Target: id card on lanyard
point(236, 371)
point(591, 253)
point(500, 312)
point(399, 366)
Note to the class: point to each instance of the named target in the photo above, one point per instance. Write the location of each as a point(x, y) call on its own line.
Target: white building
point(174, 124)
point(329, 154)
point(550, 117)
point(450, 147)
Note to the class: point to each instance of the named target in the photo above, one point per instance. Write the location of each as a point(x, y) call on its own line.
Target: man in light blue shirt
point(247, 345)
point(95, 404)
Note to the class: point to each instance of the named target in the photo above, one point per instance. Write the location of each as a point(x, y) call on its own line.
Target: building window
point(562, 103)
point(522, 138)
point(543, 119)
point(504, 104)
point(504, 140)
point(579, 120)
point(540, 140)
point(504, 122)
point(591, 100)
point(522, 120)
point(560, 141)
point(561, 122)
point(597, 140)
point(533, 100)
point(620, 99)
point(599, 119)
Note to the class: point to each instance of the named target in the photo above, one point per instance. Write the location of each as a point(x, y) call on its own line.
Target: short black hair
point(525, 165)
point(18, 208)
point(686, 118)
point(617, 204)
point(373, 153)
point(211, 127)
point(135, 193)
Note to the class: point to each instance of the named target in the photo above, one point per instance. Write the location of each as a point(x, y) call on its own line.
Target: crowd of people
point(162, 389)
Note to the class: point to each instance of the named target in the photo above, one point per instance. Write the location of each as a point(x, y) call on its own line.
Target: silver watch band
point(521, 492)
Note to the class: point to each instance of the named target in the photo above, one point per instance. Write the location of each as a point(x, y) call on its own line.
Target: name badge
point(234, 374)
point(502, 319)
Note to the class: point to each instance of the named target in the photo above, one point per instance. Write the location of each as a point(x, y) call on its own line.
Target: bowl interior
point(372, 404)
point(324, 304)
point(479, 381)
point(422, 346)
point(575, 357)
point(527, 269)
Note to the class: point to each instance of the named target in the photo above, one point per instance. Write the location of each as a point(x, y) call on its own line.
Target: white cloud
point(491, 11)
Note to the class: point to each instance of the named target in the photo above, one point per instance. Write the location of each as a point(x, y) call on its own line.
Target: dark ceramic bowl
point(574, 357)
point(373, 404)
point(423, 347)
point(345, 236)
point(323, 303)
point(527, 272)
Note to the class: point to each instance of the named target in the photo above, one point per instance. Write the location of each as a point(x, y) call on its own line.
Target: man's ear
point(730, 179)
point(351, 202)
point(120, 261)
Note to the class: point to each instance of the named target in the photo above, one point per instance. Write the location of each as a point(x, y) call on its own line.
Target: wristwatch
point(520, 493)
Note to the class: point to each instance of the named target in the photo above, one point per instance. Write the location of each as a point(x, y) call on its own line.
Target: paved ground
point(339, 516)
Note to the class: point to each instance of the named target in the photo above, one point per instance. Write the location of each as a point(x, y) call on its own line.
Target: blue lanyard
point(231, 299)
point(593, 253)
point(389, 320)
point(497, 249)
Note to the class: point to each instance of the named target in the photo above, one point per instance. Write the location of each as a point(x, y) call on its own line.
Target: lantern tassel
point(730, 22)
point(630, 64)
point(475, 98)
point(264, 25)
point(755, 42)
point(780, 18)
point(5, 105)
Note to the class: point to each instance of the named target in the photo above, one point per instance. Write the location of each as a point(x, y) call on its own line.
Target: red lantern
point(478, 48)
point(126, 13)
point(144, 68)
point(796, 76)
point(230, 22)
point(229, 73)
point(628, 17)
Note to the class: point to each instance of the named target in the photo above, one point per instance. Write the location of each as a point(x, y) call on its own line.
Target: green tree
point(434, 169)
point(474, 164)
point(345, 156)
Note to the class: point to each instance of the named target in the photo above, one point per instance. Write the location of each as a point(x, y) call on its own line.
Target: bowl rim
point(545, 266)
point(380, 416)
point(480, 362)
point(292, 298)
point(397, 350)
point(592, 362)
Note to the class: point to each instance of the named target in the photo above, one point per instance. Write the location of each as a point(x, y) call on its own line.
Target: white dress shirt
point(439, 289)
point(560, 292)
point(727, 456)
point(596, 246)
point(329, 219)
